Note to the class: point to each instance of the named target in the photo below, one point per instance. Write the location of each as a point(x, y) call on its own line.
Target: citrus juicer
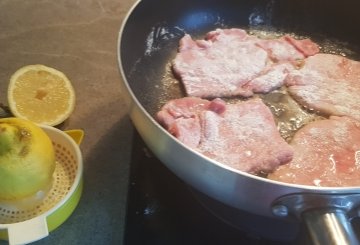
point(22, 224)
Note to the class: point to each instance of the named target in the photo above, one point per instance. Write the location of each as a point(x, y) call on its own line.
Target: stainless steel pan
point(148, 41)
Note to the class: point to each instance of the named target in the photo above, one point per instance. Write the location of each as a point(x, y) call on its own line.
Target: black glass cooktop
point(164, 210)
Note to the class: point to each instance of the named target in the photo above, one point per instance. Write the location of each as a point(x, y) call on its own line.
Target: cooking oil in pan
point(287, 112)
point(289, 115)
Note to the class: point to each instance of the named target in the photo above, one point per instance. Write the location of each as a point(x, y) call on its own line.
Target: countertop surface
point(79, 38)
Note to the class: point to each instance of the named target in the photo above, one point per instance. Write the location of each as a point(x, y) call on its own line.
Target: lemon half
point(41, 94)
point(27, 159)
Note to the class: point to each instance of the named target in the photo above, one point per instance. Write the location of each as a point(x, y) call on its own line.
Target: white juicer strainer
point(21, 224)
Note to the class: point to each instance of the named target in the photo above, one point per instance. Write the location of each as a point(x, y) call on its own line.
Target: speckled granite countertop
point(79, 38)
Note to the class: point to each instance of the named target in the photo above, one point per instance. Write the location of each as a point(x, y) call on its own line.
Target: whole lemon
point(27, 159)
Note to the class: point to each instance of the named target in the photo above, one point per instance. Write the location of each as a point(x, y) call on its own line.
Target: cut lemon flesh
point(41, 94)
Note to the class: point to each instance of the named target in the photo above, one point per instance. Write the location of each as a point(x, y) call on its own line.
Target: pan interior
point(148, 47)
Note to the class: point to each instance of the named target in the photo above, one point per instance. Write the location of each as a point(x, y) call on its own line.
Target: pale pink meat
point(180, 118)
point(280, 49)
point(241, 135)
point(272, 79)
point(227, 62)
point(329, 84)
point(220, 66)
point(326, 153)
point(305, 46)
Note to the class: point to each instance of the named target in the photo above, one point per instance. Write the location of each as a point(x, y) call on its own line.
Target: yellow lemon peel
point(27, 159)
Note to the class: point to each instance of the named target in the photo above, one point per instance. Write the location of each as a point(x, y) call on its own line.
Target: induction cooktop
point(162, 209)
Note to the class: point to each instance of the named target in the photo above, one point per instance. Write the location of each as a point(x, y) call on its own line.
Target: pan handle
point(329, 227)
point(326, 216)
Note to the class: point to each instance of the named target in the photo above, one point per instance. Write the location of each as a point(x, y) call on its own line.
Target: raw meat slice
point(241, 135)
point(329, 84)
point(180, 117)
point(219, 66)
point(287, 48)
point(305, 46)
point(228, 60)
point(272, 79)
point(326, 153)
point(227, 35)
point(280, 49)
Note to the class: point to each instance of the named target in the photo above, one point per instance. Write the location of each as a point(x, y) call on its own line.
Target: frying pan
point(148, 41)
